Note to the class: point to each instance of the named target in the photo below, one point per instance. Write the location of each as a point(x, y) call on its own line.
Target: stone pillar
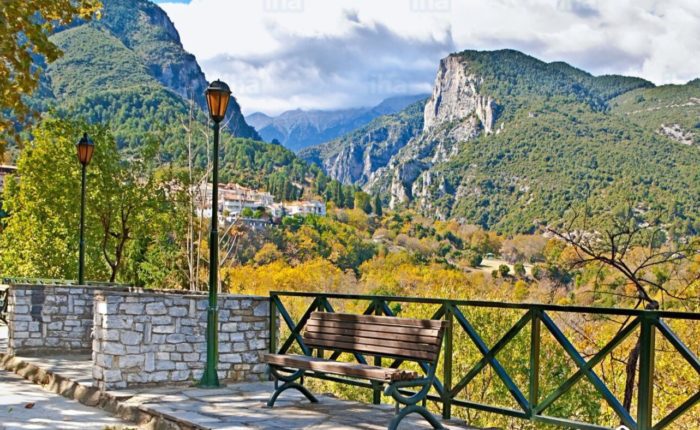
point(49, 319)
point(153, 338)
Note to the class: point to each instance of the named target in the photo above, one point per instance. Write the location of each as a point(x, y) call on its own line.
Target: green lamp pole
point(218, 95)
point(85, 149)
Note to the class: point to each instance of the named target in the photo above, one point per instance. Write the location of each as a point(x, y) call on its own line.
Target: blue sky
point(325, 54)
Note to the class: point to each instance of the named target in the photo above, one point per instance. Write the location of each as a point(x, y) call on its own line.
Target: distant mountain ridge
point(131, 57)
point(511, 143)
point(298, 129)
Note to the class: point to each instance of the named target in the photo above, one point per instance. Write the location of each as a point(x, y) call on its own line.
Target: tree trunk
point(630, 375)
point(631, 368)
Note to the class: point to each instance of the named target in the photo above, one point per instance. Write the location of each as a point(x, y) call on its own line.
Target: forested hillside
point(511, 143)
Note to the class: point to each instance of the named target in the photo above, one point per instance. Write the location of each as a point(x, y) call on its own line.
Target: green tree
point(378, 206)
point(503, 270)
point(25, 27)
point(124, 203)
point(519, 270)
point(363, 201)
point(474, 259)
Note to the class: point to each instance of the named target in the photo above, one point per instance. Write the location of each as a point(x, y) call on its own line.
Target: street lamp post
point(218, 95)
point(85, 149)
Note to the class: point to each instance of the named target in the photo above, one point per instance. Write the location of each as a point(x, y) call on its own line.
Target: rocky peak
point(456, 97)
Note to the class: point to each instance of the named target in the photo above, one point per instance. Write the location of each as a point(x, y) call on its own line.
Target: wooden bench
point(401, 339)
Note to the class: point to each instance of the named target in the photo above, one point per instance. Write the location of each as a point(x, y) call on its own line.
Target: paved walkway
point(242, 406)
point(47, 411)
point(235, 407)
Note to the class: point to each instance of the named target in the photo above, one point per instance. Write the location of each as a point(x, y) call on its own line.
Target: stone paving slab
point(242, 406)
point(48, 410)
point(76, 367)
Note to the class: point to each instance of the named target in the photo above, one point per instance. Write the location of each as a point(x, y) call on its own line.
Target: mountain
point(298, 129)
point(671, 110)
point(510, 142)
point(353, 158)
point(129, 69)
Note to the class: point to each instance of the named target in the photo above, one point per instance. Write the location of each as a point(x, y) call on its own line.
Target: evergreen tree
point(378, 206)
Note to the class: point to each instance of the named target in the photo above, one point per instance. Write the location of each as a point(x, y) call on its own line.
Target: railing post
point(534, 391)
point(273, 325)
point(647, 343)
point(376, 391)
point(447, 363)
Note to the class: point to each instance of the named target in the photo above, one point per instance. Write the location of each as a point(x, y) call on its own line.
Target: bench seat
point(400, 339)
point(320, 365)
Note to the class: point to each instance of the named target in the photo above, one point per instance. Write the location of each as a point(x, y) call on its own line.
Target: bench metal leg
point(394, 424)
point(289, 383)
point(411, 403)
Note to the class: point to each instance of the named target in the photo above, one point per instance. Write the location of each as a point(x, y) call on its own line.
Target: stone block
point(158, 376)
point(257, 344)
point(165, 365)
point(180, 375)
point(132, 308)
point(113, 348)
point(112, 375)
point(104, 360)
point(262, 310)
point(131, 337)
point(229, 327)
point(149, 362)
point(177, 312)
point(131, 361)
point(192, 356)
point(156, 309)
point(184, 347)
point(176, 338)
point(231, 358)
point(165, 329)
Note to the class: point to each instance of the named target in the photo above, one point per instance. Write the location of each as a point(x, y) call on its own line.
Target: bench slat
point(425, 340)
point(339, 368)
point(310, 337)
point(376, 319)
point(371, 349)
point(374, 327)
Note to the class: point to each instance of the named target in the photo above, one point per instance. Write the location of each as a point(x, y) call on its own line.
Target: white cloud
point(284, 54)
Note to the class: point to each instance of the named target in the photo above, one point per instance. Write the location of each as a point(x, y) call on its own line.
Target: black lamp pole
point(218, 95)
point(85, 149)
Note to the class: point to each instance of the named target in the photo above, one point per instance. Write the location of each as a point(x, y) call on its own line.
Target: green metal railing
point(532, 405)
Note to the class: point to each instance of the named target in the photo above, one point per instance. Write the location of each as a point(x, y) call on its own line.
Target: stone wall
point(49, 319)
point(150, 338)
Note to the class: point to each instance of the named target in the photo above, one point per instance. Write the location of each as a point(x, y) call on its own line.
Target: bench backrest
point(402, 338)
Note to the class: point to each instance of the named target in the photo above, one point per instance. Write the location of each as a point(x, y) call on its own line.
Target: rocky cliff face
point(354, 158)
point(456, 97)
point(457, 111)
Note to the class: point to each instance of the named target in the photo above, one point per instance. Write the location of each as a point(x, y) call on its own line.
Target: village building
point(234, 199)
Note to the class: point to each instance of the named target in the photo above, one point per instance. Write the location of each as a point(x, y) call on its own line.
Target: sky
point(279, 55)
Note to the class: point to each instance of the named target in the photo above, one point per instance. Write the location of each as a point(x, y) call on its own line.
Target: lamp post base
point(210, 377)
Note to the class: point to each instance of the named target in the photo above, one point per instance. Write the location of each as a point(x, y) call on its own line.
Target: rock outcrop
point(456, 111)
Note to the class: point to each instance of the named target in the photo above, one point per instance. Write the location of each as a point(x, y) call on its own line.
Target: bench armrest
point(392, 389)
